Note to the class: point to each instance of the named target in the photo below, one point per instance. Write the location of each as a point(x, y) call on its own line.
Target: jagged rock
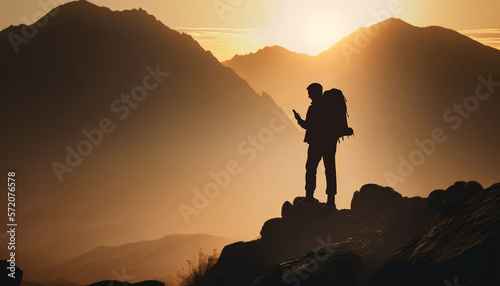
point(302, 224)
point(305, 212)
point(374, 232)
point(298, 200)
point(462, 248)
point(457, 195)
point(240, 263)
point(324, 266)
point(286, 209)
point(274, 230)
point(435, 202)
point(4, 271)
point(494, 186)
point(373, 200)
point(415, 202)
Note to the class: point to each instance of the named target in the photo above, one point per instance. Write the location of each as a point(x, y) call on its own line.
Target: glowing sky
point(228, 27)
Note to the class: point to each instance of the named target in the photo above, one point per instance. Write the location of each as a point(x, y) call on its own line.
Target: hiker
point(325, 123)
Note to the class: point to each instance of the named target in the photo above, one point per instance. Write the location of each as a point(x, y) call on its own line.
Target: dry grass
point(197, 269)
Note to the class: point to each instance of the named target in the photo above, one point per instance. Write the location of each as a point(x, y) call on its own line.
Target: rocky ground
point(384, 239)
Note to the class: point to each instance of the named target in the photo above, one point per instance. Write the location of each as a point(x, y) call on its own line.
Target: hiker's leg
point(330, 168)
point(313, 158)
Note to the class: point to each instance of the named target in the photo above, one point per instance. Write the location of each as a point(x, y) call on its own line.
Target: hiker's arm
point(300, 121)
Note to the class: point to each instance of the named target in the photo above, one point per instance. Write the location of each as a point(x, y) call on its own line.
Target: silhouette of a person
point(322, 144)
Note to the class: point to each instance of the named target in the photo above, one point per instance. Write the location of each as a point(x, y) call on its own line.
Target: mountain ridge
point(269, 50)
point(155, 259)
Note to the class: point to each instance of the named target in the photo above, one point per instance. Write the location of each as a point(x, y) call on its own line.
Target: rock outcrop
point(461, 249)
point(380, 223)
point(324, 266)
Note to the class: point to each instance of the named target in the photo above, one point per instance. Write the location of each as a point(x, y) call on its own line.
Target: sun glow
point(318, 32)
point(314, 26)
point(304, 30)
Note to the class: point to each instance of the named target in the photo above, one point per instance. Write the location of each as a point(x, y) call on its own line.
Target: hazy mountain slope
point(400, 82)
point(156, 259)
point(76, 72)
point(276, 70)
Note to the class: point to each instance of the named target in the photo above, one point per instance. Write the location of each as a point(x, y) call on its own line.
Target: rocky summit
point(384, 239)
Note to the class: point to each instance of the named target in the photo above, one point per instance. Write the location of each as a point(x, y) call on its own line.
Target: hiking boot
point(308, 200)
point(331, 201)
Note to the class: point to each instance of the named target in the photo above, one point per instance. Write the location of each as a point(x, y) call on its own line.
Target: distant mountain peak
point(275, 51)
point(86, 8)
point(274, 48)
point(79, 5)
point(79, 2)
point(76, 11)
point(388, 26)
point(395, 21)
point(265, 50)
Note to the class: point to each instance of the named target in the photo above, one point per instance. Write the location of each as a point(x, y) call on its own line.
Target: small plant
point(197, 270)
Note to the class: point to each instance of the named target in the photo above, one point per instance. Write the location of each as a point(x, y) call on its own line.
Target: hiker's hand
point(297, 116)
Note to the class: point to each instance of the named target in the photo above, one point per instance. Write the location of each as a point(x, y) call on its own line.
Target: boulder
point(240, 263)
point(419, 240)
point(286, 210)
point(457, 195)
point(298, 200)
point(461, 248)
point(434, 202)
point(374, 200)
point(324, 266)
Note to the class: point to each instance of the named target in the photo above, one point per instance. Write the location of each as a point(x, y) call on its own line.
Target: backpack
point(336, 113)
